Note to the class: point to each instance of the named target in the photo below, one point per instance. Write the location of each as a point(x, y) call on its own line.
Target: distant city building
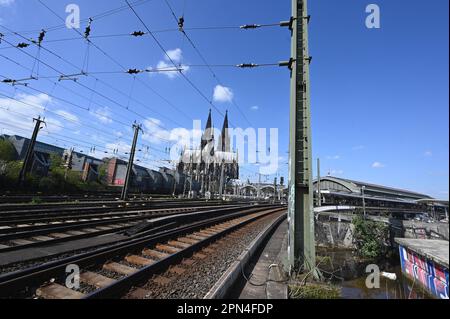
point(165, 181)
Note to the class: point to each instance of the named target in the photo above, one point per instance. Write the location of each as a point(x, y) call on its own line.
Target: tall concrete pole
point(136, 128)
point(301, 245)
point(30, 152)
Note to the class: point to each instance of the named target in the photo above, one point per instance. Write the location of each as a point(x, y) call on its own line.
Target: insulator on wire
point(87, 32)
point(250, 26)
point(247, 65)
point(181, 23)
point(41, 37)
point(138, 33)
point(133, 71)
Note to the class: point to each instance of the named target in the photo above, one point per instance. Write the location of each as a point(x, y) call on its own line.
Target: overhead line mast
point(301, 243)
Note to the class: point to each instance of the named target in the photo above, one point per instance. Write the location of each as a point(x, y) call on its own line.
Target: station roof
point(356, 188)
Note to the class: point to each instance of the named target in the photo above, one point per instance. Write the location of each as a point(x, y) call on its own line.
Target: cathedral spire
point(225, 137)
point(208, 134)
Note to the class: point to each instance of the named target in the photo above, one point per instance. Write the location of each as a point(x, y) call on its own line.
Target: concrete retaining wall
point(338, 231)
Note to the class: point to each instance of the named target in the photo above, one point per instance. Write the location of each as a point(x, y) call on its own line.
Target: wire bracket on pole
point(71, 77)
point(289, 24)
point(15, 82)
point(288, 64)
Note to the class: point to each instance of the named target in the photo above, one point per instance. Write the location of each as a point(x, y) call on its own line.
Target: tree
point(7, 151)
point(55, 162)
point(370, 237)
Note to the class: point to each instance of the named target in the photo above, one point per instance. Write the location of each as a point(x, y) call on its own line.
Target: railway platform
point(263, 277)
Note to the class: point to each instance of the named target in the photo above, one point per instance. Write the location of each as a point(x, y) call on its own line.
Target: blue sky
point(379, 97)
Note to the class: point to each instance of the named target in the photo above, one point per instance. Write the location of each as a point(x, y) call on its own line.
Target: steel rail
point(26, 279)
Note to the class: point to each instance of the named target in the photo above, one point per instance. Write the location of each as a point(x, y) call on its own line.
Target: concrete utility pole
point(30, 152)
point(301, 214)
point(136, 128)
point(319, 190)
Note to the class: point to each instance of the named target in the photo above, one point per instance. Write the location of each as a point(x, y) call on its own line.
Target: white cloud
point(428, 154)
point(103, 114)
point(334, 157)
point(378, 165)
point(223, 94)
point(358, 147)
point(17, 116)
point(176, 56)
point(6, 3)
point(255, 108)
point(154, 132)
point(67, 115)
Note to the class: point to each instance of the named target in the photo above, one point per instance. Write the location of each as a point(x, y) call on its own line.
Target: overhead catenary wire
point(204, 59)
point(121, 66)
point(100, 94)
point(56, 114)
point(96, 17)
point(71, 76)
point(69, 120)
point(81, 107)
point(169, 58)
point(206, 65)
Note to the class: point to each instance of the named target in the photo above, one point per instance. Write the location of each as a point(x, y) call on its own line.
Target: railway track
point(28, 198)
point(40, 231)
point(10, 208)
point(110, 272)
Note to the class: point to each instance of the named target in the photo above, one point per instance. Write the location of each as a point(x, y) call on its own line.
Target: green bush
point(370, 237)
point(58, 181)
point(12, 170)
point(7, 151)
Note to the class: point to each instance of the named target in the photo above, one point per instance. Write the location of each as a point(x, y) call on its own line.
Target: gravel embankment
point(200, 277)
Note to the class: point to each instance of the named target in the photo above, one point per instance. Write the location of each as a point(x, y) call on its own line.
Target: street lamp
point(363, 200)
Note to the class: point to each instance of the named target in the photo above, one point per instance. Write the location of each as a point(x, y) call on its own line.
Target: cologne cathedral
point(214, 165)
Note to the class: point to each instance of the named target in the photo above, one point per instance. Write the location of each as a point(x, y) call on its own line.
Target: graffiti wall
point(431, 276)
